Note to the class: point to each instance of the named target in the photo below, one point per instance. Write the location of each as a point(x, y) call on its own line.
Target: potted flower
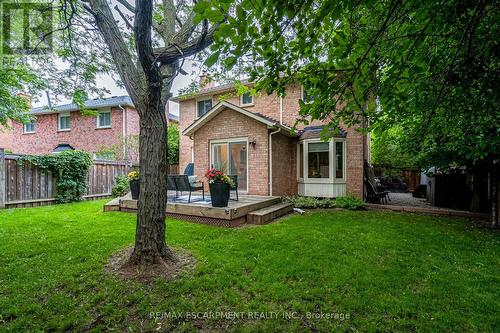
point(220, 186)
point(133, 180)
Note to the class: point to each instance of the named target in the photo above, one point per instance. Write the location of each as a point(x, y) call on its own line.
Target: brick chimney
point(27, 97)
point(205, 81)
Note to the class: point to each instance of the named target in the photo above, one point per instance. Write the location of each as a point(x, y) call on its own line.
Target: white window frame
point(302, 95)
point(34, 127)
point(247, 104)
point(61, 115)
point(331, 160)
point(98, 125)
point(200, 100)
point(227, 141)
point(344, 160)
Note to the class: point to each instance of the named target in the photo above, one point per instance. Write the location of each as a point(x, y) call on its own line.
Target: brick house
point(104, 135)
point(251, 136)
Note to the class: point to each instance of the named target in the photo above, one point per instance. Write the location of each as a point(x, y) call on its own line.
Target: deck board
point(235, 209)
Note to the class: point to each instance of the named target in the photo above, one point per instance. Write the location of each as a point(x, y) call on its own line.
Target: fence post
point(2, 179)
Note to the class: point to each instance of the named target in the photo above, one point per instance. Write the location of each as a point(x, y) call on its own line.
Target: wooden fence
point(25, 185)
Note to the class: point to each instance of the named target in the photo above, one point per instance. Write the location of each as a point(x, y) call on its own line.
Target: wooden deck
point(202, 212)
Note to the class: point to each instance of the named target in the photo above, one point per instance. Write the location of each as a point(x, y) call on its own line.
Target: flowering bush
point(217, 176)
point(133, 175)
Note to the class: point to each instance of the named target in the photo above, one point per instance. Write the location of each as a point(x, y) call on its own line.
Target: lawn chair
point(370, 178)
point(234, 186)
point(189, 170)
point(373, 196)
point(171, 185)
point(182, 184)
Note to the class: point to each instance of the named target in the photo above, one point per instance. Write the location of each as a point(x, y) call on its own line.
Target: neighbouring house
point(109, 132)
point(6, 133)
point(251, 137)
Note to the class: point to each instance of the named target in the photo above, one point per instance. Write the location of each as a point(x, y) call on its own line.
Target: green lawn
point(387, 271)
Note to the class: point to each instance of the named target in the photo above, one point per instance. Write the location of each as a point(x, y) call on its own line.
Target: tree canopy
point(431, 67)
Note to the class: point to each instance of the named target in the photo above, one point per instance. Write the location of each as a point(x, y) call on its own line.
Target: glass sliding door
point(231, 158)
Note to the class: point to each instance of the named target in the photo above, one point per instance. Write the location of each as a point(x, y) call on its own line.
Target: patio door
point(231, 157)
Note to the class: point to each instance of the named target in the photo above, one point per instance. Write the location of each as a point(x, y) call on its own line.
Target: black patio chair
point(234, 186)
point(373, 196)
point(171, 185)
point(189, 170)
point(370, 178)
point(182, 184)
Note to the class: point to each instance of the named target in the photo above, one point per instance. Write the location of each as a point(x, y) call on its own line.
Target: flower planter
point(219, 194)
point(134, 189)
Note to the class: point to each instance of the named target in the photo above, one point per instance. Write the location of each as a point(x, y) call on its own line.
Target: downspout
point(281, 110)
point(271, 160)
point(124, 131)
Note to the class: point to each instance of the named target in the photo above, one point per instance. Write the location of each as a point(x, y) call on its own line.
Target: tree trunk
point(150, 247)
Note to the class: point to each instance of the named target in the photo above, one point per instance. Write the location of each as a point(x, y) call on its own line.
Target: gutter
point(271, 160)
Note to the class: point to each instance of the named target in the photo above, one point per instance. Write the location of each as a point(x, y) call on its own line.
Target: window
point(203, 107)
point(63, 121)
point(318, 163)
point(301, 160)
point(29, 127)
point(306, 97)
point(246, 99)
point(104, 119)
point(339, 159)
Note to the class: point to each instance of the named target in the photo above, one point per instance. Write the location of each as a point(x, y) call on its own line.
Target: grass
point(387, 271)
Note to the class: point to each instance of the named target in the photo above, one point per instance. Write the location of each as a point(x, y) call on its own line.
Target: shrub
point(121, 186)
point(348, 202)
point(70, 168)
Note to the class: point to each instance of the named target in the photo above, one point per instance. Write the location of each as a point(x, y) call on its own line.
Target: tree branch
point(129, 73)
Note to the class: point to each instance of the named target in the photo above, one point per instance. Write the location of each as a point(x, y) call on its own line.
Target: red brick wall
point(6, 136)
point(229, 124)
point(269, 105)
point(355, 151)
point(284, 165)
point(84, 134)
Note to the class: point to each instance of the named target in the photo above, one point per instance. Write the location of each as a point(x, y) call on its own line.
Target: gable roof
point(269, 122)
point(113, 101)
point(90, 104)
point(208, 91)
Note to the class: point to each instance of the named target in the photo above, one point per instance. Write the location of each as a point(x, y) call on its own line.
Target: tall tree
point(146, 45)
point(147, 74)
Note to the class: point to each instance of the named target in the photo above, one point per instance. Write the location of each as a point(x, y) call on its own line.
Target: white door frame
point(227, 142)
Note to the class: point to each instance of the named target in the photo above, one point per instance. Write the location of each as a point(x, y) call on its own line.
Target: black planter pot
point(219, 193)
point(134, 189)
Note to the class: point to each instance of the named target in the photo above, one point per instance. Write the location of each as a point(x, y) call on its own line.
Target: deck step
point(267, 214)
point(112, 206)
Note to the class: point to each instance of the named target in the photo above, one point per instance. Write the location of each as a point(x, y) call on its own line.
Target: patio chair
point(373, 196)
point(370, 178)
point(189, 170)
point(171, 185)
point(182, 184)
point(234, 187)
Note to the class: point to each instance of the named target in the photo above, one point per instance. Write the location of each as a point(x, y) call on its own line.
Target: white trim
point(302, 95)
point(344, 160)
point(30, 132)
point(97, 119)
point(247, 104)
point(227, 141)
point(59, 116)
point(299, 178)
point(200, 99)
